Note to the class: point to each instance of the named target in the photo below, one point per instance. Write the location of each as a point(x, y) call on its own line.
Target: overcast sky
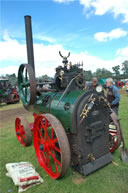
point(94, 31)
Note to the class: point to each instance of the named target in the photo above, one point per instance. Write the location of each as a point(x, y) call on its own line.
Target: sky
point(95, 32)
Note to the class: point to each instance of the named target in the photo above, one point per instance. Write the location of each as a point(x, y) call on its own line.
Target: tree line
point(119, 72)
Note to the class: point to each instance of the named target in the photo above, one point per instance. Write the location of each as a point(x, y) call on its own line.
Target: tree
point(125, 69)
point(102, 73)
point(116, 70)
point(12, 79)
point(88, 75)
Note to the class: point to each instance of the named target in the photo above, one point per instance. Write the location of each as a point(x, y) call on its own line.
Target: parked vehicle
point(8, 93)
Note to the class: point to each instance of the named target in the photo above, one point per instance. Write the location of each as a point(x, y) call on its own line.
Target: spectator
point(126, 86)
point(113, 95)
point(94, 83)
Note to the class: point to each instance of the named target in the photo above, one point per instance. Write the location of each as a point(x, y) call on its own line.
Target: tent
point(102, 81)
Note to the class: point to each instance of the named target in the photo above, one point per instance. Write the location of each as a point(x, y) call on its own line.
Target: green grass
point(113, 178)
point(4, 106)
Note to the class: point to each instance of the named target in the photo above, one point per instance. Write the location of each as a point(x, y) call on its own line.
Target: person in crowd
point(126, 86)
point(113, 95)
point(94, 82)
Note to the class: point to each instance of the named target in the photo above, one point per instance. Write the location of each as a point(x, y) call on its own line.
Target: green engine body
point(63, 110)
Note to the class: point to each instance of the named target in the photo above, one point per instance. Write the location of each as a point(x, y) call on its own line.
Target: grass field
point(3, 106)
point(113, 178)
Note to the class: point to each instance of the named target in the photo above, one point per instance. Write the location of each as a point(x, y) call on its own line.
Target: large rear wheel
point(51, 145)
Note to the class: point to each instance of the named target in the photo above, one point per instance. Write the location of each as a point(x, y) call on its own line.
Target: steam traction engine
point(8, 94)
point(71, 123)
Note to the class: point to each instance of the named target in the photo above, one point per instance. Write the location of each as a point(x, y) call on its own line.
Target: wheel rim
point(51, 145)
point(20, 132)
point(26, 84)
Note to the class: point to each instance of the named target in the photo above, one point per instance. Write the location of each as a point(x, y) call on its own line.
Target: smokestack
point(29, 41)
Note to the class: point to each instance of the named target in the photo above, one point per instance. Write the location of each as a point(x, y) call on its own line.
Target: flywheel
point(26, 84)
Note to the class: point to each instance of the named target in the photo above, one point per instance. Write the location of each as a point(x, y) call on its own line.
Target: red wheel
point(51, 145)
point(114, 138)
point(23, 131)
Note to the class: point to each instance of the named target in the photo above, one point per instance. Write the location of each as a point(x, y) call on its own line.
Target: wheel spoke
point(57, 149)
point(23, 135)
point(53, 156)
point(45, 129)
point(25, 93)
point(42, 124)
point(52, 134)
point(48, 161)
point(42, 140)
point(22, 76)
point(46, 123)
point(56, 167)
point(25, 84)
point(42, 153)
point(55, 140)
point(45, 135)
point(28, 92)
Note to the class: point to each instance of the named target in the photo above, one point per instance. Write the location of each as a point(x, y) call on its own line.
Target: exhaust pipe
point(29, 41)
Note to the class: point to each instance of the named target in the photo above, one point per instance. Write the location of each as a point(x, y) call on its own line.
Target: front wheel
point(23, 131)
